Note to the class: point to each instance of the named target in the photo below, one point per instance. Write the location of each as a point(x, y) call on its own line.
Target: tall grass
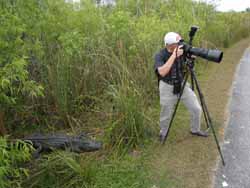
point(81, 54)
point(96, 65)
point(127, 126)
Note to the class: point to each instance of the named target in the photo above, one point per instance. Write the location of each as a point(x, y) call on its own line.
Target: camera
point(214, 55)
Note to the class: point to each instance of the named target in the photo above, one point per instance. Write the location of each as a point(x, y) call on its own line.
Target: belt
point(170, 82)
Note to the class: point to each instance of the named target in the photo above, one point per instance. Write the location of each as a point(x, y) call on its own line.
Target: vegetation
point(12, 154)
point(90, 69)
point(69, 170)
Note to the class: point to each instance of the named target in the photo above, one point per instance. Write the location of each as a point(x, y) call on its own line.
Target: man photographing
point(169, 69)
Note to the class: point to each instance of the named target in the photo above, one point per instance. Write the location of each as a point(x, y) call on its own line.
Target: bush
point(12, 155)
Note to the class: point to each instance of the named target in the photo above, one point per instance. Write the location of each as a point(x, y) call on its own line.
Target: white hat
point(171, 38)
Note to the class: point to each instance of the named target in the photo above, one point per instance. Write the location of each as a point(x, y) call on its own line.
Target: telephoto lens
point(210, 55)
point(214, 55)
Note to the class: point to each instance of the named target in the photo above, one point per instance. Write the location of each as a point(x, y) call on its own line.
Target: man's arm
point(164, 69)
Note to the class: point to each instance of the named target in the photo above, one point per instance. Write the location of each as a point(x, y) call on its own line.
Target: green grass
point(67, 170)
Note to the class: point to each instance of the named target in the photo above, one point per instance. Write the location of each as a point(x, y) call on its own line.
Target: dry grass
point(186, 161)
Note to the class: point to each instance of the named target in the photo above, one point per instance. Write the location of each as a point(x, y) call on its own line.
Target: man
point(169, 69)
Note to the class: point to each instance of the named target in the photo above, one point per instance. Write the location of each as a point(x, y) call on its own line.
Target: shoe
point(161, 138)
point(200, 133)
point(162, 135)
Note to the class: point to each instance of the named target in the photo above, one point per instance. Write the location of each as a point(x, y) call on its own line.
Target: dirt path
point(186, 161)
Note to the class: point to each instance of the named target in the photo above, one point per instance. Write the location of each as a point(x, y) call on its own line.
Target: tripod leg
point(175, 109)
point(192, 82)
point(207, 115)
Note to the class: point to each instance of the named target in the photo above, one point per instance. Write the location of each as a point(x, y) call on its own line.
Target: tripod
point(190, 66)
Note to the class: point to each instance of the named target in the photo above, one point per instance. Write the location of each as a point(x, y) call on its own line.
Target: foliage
point(94, 65)
point(77, 54)
point(12, 154)
point(66, 170)
point(14, 77)
point(59, 170)
point(127, 127)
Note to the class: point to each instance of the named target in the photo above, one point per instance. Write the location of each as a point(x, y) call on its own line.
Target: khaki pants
point(168, 101)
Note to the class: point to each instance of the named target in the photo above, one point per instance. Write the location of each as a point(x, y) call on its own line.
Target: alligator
point(50, 142)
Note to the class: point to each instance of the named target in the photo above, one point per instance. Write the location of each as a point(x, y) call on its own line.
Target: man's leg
point(190, 100)
point(165, 117)
point(167, 101)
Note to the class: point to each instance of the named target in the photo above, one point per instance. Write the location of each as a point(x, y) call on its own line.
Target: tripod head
point(189, 60)
point(192, 32)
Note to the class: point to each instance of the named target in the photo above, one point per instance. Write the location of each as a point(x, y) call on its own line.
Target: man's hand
point(164, 69)
point(193, 56)
point(178, 51)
